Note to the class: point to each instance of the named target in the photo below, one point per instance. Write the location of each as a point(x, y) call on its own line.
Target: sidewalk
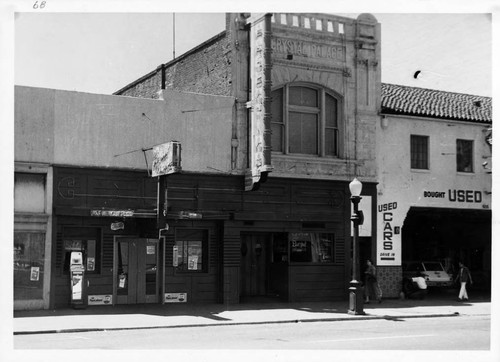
point(100, 318)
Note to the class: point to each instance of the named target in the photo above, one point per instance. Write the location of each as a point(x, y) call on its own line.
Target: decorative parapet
point(319, 23)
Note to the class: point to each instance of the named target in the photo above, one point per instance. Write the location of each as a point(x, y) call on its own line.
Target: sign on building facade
point(260, 104)
point(166, 158)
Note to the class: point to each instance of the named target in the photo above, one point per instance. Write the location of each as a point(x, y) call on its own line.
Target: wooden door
point(254, 250)
point(136, 271)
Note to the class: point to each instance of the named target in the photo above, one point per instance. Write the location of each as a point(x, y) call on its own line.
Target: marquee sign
point(260, 104)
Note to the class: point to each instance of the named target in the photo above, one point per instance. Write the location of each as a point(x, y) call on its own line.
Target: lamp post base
point(355, 298)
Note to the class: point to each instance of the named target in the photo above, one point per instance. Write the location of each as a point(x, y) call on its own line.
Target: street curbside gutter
point(220, 324)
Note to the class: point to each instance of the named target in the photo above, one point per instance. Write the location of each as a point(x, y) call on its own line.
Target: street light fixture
point(355, 289)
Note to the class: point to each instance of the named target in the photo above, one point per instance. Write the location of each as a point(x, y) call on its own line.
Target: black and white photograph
point(221, 181)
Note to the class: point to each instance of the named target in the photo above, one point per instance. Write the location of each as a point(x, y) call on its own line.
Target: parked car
point(434, 272)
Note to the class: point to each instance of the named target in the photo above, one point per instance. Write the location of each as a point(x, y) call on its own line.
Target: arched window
point(305, 120)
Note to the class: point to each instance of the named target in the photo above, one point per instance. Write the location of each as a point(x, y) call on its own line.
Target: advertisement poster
point(35, 273)
point(90, 264)
point(100, 300)
point(122, 280)
point(193, 262)
point(175, 297)
point(175, 257)
point(151, 249)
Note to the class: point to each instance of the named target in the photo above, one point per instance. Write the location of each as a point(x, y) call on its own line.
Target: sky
point(100, 52)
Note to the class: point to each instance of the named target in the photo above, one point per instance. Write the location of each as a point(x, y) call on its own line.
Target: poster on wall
point(105, 299)
point(175, 297)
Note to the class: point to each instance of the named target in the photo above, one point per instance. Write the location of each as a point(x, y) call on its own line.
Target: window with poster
point(309, 247)
point(86, 240)
point(29, 252)
point(190, 251)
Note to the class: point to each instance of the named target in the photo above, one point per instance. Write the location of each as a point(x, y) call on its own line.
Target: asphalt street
point(467, 333)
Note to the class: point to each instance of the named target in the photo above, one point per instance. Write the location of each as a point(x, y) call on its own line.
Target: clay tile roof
point(398, 99)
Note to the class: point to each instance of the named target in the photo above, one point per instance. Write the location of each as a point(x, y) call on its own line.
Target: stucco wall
point(400, 187)
point(93, 130)
point(343, 56)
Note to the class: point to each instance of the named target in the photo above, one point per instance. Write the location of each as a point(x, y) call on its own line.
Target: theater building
point(260, 208)
point(307, 95)
point(434, 190)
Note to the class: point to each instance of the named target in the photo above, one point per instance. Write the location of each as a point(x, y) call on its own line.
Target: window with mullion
point(277, 121)
point(419, 152)
point(305, 120)
point(303, 133)
point(331, 126)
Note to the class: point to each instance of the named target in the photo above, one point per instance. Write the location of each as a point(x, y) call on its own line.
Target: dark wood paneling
point(101, 188)
point(317, 282)
point(276, 199)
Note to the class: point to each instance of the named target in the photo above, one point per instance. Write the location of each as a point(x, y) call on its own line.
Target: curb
point(367, 317)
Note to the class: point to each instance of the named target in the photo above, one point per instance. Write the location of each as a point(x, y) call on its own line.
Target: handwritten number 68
point(41, 6)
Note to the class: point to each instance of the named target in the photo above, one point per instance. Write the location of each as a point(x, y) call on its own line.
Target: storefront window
point(86, 242)
point(311, 247)
point(28, 265)
point(191, 250)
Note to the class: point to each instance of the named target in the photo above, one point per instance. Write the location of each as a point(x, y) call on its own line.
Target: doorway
point(264, 267)
point(254, 260)
point(136, 272)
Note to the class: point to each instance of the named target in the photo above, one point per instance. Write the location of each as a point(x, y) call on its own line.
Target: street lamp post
point(355, 289)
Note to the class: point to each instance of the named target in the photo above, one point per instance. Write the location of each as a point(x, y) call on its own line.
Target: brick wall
point(205, 69)
point(147, 87)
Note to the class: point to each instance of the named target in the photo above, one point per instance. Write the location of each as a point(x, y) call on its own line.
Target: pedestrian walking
point(464, 277)
point(372, 288)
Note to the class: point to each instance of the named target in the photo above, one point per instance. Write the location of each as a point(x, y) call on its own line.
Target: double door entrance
point(136, 270)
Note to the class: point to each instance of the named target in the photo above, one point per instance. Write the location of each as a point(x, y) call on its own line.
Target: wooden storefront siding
point(101, 282)
point(201, 287)
point(317, 283)
point(222, 197)
point(82, 189)
point(77, 191)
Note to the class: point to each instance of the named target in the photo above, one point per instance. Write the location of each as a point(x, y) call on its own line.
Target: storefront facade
point(261, 206)
point(307, 90)
point(434, 193)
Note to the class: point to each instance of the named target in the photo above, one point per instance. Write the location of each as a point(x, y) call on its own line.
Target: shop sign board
point(111, 213)
point(175, 297)
point(260, 104)
point(117, 226)
point(389, 234)
point(166, 159)
point(102, 299)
